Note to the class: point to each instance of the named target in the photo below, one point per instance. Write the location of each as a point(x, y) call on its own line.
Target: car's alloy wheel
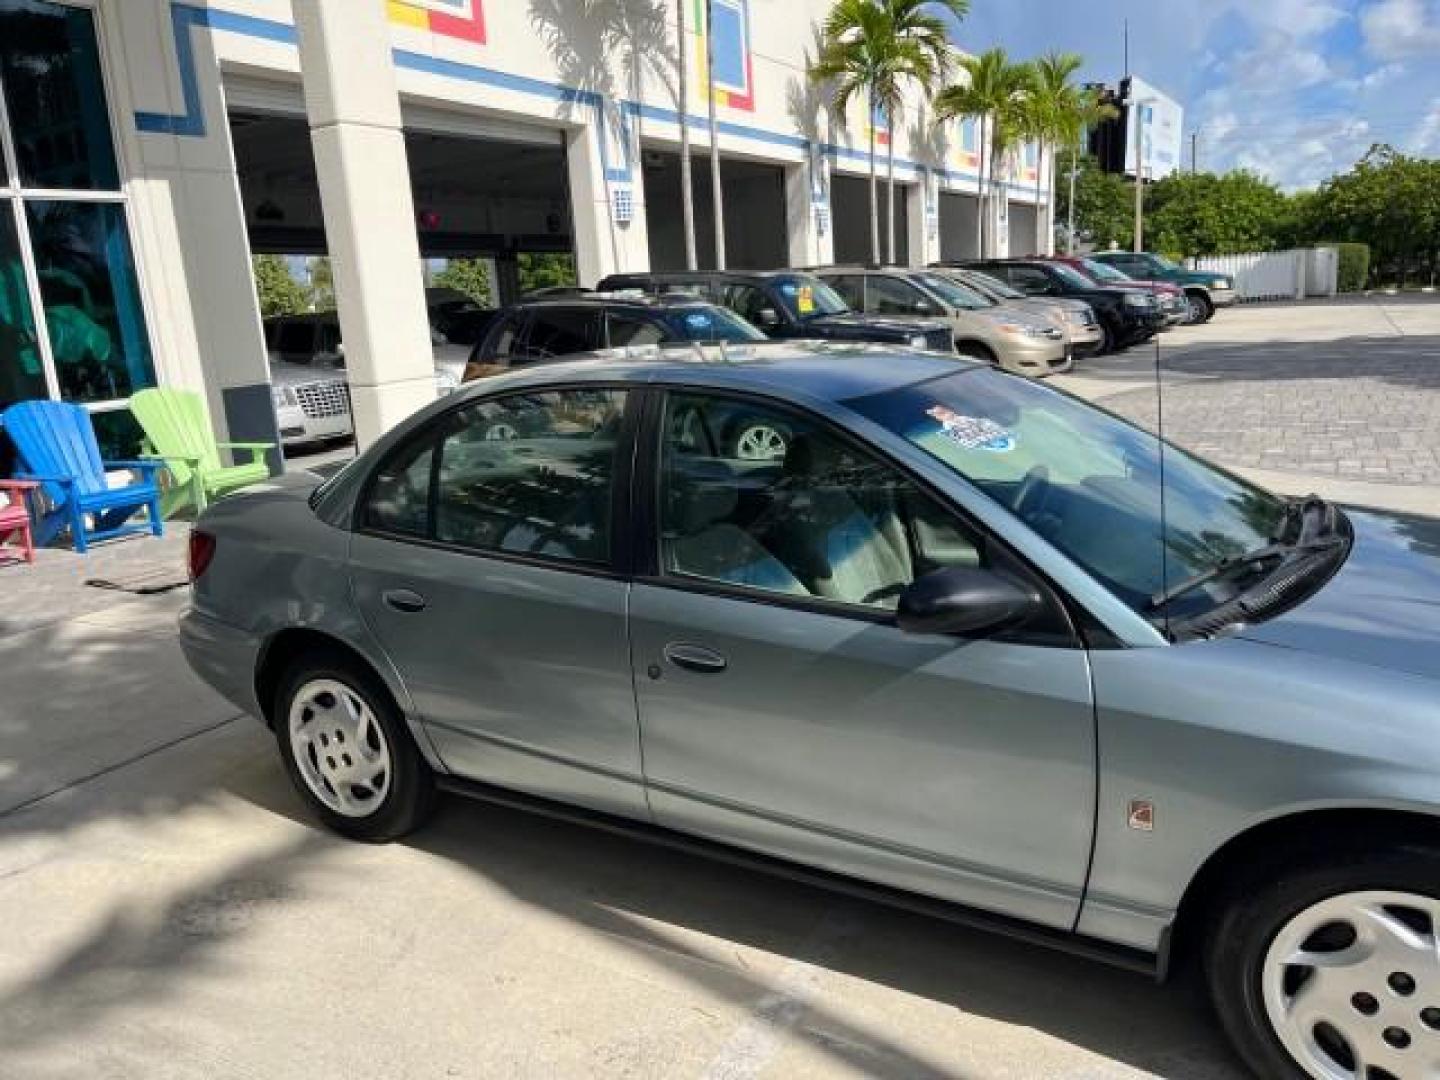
point(1351, 986)
point(339, 748)
point(348, 749)
point(1195, 310)
point(500, 431)
point(760, 442)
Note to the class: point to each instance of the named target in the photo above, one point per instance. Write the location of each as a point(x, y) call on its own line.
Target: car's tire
point(1201, 309)
point(1107, 340)
point(1373, 911)
point(334, 722)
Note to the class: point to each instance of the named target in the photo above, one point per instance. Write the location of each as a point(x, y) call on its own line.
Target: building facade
point(150, 147)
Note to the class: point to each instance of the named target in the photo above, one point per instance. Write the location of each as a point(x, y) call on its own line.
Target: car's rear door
point(488, 568)
point(782, 709)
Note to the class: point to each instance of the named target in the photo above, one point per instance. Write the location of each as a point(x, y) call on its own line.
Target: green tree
point(1209, 214)
point(322, 284)
point(469, 276)
point(1104, 206)
point(279, 293)
point(995, 92)
point(545, 270)
point(871, 51)
point(1390, 201)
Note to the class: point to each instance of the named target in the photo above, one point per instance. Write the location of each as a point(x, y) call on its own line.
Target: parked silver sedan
point(958, 649)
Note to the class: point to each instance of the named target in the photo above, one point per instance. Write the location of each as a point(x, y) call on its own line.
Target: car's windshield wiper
point(1295, 512)
point(1236, 564)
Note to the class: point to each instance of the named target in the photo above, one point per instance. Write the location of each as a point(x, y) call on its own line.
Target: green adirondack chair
point(178, 429)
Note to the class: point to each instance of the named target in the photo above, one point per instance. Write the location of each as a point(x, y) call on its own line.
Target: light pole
point(1137, 113)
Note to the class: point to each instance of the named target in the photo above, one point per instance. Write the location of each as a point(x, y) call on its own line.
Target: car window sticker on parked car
point(699, 320)
point(973, 432)
point(805, 301)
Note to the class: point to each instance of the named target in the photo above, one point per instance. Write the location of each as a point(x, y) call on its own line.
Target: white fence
point(1278, 275)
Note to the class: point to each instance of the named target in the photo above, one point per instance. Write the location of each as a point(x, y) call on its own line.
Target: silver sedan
point(965, 644)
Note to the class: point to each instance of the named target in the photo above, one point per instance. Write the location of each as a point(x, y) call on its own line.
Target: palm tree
point(687, 193)
point(1059, 113)
point(995, 94)
point(873, 49)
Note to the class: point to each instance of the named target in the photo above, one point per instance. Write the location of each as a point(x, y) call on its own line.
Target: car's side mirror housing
point(966, 600)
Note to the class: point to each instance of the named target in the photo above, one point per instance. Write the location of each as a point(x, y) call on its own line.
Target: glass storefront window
point(50, 68)
point(92, 300)
point(70, 307)
point(22, 374)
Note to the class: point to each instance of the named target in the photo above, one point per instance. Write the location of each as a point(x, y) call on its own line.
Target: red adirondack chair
point(15, 521)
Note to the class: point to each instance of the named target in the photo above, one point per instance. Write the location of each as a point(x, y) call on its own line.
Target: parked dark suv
point(1127, 315)
point(788, 304)
point(541, 329)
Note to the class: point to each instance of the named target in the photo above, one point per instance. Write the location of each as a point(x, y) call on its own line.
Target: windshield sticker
point(806, 300)
point(698, 320)
point(789, 288)
point(973, 432)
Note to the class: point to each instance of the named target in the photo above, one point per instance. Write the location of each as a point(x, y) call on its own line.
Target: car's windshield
point(805, 297)
point(1071, 276)
point(953, 293)
point(992, 286)
point(1104, 272)
point(1087, 481)
point(709, 323)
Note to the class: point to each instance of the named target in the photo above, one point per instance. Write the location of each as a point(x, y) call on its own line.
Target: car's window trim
point(620, 561)
point(648, 567)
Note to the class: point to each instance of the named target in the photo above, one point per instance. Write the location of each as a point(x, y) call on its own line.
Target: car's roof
point(613, 300)
point(705, 275)
point(829, 371)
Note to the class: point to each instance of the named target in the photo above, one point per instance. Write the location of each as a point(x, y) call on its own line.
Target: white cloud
point(1399, 28)
point(1296, 18)
point(1426, 139)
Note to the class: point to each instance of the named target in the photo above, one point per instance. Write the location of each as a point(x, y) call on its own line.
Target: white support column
point(807, 216)
point(610, 236)
point(922, 212)
point(356, 132)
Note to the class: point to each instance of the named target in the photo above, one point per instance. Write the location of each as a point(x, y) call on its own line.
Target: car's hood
point(1381, 608)
point(855, 320)
point(284, 373)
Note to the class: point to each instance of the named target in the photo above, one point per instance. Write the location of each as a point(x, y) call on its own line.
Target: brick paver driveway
point(1355, 406)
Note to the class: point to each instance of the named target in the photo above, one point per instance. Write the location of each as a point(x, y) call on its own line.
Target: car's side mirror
point(768, 318)
point(966, 600)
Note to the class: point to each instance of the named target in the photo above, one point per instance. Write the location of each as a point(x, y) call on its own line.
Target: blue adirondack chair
point(56, 444)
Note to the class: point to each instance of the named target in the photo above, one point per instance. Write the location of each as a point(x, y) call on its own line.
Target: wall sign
point(464, 19)
point(734, 69)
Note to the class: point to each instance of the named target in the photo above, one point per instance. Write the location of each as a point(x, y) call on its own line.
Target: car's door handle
point(404, 600)
point(695, 658)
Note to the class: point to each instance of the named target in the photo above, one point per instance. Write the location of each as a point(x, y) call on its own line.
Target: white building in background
point(151, 146)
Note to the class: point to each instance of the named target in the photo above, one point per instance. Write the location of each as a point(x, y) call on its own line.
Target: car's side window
point(503, 341)
point(890, 296)
point(771, 501)
point(1029, 280)
point(531, 474)
point(634, 330)
point(751, 303)
point(562, 331)
point(399, 495)
point(851, 288)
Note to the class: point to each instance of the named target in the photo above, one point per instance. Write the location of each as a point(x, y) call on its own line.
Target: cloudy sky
point(1293, 89)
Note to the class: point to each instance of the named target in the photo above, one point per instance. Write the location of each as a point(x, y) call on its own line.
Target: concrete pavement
point(169, 911)
point(1340, 398)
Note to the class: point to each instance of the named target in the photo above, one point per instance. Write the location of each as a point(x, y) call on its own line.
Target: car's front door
point(782, 709)
point(484, 564)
